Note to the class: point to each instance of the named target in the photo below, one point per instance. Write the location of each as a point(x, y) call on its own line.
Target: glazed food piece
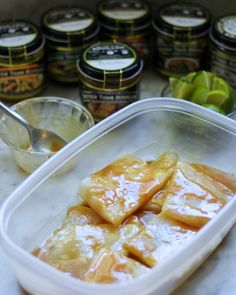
point(82, 235)
point(106, 267)
point(193, 197)
point(217, 175)
point(119, 189)
point(156, 202)
point(83, 215)
point(160, 238)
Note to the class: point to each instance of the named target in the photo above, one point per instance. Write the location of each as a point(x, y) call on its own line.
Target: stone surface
point(217, 276)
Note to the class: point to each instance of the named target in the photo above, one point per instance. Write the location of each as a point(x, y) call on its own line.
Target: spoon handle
point(13, 115)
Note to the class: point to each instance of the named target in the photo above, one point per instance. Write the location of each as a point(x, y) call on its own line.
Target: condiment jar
point(68, 32)
point(21, 60)
point(127, 21)
point(222, 51)
point(109, 77)
point(180, 38)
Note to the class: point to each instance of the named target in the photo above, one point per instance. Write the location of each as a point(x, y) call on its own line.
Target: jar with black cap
point(127, 21)
point(68, 32)
point(109, 77)
point(21, 60)
point(180, 38)
point(222, 52)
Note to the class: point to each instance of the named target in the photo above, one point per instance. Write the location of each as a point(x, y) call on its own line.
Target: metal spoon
point(41, 140)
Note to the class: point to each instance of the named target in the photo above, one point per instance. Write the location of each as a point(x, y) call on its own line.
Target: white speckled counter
point(217, 276)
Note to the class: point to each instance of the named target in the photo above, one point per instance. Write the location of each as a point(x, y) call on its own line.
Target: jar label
point(184, 21)
point(110, 57)
point(102, 104)
point(61, 64)
point(141, 44)
point(179, 58)
point(183, 15)
point(69, 20)
point(123, 9)
point(16, 34)
point(227, 26)
point(21, 81)
point(224, 65)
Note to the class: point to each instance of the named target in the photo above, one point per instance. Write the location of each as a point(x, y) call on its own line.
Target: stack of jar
point(109, 72)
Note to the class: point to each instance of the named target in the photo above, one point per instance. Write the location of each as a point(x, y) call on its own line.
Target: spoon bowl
point(41, 140)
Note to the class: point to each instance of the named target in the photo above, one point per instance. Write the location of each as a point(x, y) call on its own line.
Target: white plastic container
point(145, 128)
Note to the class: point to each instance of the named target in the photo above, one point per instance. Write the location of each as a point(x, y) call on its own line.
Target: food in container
point(21, 60)
point(68, 31)
point(109, 240)
point(127, 22)
point(222, 51)
point(109, 74)
point(180, 38)
point(145, 130)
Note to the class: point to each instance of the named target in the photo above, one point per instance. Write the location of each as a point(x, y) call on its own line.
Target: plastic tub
point(144, 128)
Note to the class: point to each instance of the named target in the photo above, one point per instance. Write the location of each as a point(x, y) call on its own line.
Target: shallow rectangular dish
point(146, 128)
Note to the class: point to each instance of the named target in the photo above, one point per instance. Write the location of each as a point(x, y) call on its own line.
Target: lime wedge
point(203, 79)
point(220, 84)
point(173, 82)
point(189, 77)
point(217, 97)
point(199, 95)
point(182, 89)
point(213, 108)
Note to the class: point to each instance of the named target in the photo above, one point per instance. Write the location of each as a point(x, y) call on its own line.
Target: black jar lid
point(124, 14)
point(69, 24)
point(224, 30)
point(19, 39)
point(184, 19)
point(110, 63)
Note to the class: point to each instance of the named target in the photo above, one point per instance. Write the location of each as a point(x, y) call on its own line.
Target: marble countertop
point(217, 276)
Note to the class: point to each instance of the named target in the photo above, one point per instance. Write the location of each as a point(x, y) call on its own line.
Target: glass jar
point(21, 60)
point(127, 21)
point(109, 77)
point(222, 52)
point(180, 38)
point(68, 31)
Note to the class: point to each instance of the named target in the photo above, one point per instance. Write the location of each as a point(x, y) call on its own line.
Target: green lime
point(173, 82)
point(214, 108)
point(217, 97)
point(182, 89)
point(189, 77)
point(199, 95)
point(203, 79)
point(220, 84)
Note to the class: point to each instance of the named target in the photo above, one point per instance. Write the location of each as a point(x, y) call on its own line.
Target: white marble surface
point(215, 277)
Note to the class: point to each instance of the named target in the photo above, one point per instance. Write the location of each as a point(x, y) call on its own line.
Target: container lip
point(30, 48)
point(223, 38)
point(163, 26)
point(115, 24)
point(99, 74)
point(49, 99)
point(221, 43)
point(131, 78)
point(66, 36)
point(80, 143)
